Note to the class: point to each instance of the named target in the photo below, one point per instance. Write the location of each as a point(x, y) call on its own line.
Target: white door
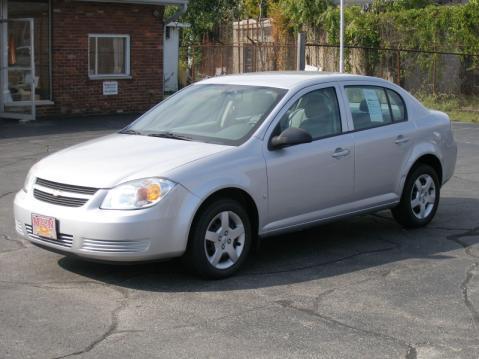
point(17, 99)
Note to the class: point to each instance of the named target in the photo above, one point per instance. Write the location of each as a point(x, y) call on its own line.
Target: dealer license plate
point(44, 226)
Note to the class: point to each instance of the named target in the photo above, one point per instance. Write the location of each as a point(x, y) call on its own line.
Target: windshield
point(224, 114)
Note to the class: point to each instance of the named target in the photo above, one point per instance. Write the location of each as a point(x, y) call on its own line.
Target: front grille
point(66, 187)
point(100, 245)
point(59, 200)
point(64, 240)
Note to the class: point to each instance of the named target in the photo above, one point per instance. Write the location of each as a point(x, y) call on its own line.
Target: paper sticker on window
point(374, 107)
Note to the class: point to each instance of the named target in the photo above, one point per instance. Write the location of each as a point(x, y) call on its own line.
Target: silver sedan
point(230, 160)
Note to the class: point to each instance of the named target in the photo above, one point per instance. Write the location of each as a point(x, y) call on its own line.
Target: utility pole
point(301, 51)
point(341, 36)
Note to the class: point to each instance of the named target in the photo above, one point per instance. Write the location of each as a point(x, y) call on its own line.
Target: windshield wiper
point(130, 132)
point(171, 135)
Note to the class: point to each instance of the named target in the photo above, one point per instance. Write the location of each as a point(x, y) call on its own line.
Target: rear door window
point(369, 106)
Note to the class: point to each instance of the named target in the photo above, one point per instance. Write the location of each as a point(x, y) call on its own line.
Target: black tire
point(405, 213)
point(196, 255)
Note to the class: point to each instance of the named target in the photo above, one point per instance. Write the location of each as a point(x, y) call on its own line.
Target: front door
point(17, 98)
point(310, 181)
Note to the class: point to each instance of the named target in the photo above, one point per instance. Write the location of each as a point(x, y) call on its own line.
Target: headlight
point(29, 180)
point(137, 194)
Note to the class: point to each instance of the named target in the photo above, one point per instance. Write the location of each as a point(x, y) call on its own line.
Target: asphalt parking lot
point(359, 288)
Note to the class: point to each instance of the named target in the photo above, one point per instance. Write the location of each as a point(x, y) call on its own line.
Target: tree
point(204, 16)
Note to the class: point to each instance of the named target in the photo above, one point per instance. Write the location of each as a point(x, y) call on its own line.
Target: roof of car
point(286, 80)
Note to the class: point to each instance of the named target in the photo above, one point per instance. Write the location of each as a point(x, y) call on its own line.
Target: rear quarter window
point(398, 108)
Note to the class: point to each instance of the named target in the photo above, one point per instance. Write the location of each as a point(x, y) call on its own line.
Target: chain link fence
point(203, 61)
point(430, 72)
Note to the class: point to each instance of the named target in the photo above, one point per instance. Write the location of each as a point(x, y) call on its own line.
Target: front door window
point(317, 113)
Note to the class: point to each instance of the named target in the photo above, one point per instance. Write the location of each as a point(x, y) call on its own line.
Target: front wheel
point(420, 198)
point(220, 239)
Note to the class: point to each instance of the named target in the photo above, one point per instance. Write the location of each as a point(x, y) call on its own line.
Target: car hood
point(108, 161)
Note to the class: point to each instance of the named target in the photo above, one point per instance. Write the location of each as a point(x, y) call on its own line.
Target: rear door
point(383, 139)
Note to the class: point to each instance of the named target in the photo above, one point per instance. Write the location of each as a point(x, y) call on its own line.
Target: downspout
point(173, 18)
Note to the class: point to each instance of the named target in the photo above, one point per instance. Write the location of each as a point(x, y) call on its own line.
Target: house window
point(109, 56)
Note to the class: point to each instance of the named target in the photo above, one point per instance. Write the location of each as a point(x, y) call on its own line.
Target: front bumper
point(157, 232)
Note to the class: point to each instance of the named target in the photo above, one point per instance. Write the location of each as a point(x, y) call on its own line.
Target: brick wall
point(73, 92)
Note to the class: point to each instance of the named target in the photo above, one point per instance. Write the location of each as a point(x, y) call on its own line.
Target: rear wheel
point(220, 239)
point(420, 198)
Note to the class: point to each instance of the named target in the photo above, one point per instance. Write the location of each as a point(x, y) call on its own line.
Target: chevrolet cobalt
point(233, 159)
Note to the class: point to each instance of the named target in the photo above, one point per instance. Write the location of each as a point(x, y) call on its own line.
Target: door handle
point(401, 139)
point(341, 152)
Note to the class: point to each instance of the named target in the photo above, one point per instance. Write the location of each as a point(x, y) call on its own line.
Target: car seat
point(321, 118)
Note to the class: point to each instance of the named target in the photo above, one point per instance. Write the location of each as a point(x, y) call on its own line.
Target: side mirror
point(290, 137)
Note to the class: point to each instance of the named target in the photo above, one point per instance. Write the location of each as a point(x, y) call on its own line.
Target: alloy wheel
point(224, 240)
point(423, 196)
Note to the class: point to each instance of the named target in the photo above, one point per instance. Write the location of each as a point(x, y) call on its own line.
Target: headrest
point(363, 106)
point(316, 104)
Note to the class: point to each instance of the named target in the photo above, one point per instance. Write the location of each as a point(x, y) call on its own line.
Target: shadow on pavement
point(355, 244)
point(15, 129)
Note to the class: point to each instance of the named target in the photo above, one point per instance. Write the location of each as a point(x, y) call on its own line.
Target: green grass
point(463, 108)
